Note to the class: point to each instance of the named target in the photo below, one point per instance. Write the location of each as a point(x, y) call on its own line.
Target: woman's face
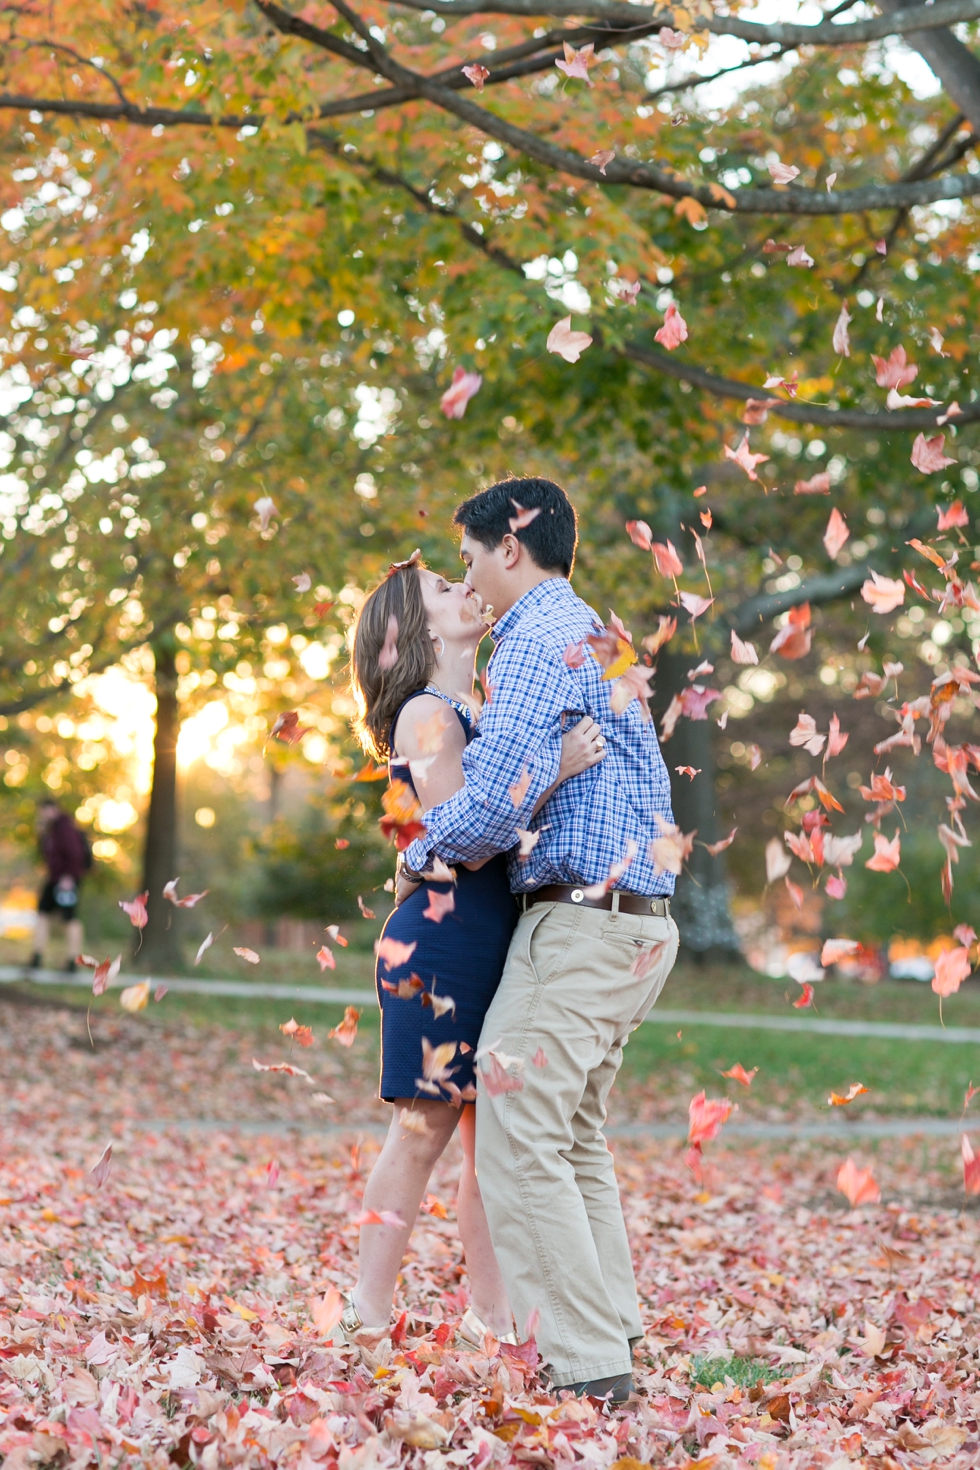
point(453, 611)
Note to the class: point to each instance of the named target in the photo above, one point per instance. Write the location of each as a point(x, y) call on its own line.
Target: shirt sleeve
point(518, 746)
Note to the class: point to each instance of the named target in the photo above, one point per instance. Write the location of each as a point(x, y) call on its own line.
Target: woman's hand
point(581, 747)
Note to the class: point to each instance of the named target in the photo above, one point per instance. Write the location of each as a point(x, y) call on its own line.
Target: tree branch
point(828, 587)
point(904, 19)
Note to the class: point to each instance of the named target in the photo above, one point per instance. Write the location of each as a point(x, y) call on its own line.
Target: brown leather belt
point(617, 901)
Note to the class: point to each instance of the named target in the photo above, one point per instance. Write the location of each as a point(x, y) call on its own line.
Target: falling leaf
point(783, 173)
point(646, 959)
point(440, 1005)
point(793, 639)
point(667, 561)
point(951, 969)
point(388, 656)
point(672, 848)
point(272, 1174)
point(805, 734)
point(519, 789)
point(778, 860)
point(743, 653)
point(440, 904)
point(601, 160)
point(478, 75)
point(576, 63)
point(706, 519)
point(105, 972)
point(414, 1122)
point(524, 517)
point(671, 40)
point(528, 841)
point(575, 655)
point(806, 997)
point(266, 508)
point(965, 934)
point(402, 815)
point(714, 848)
point(288, 729)
point(927, 454)
point(135, 997)
point(303, 582)
point(539, 1059)
point(321, 609)
point(756, 410)
point(666, 628)
point(883, 593)
point(841, 338)
point(248, 955)
point(840, 1100)
point(326, 959)
point(640, 534)
point(887, 855)
point(744, 458)
point(690, 771)
point(799, 257)
point(755, 757)
point(206, 943)
point(170, 892)
point(836, 534)
point(464, 385)
point(952, 516)
point(366, 913)
point(136, 909)
point(286, 1068)
point(706, 1115)
point(838, 949)
point(100, 1172)
point(346, 1032)
point(816, 485)
point(404, 989)
point(971, 1167)
point(563, 341)
point(835, 740)
point(379, 1217)
point(894, 371)
point(674, 330)
point(857, 1184)
point(695, 604)
point(739, 1074)
point(392, 952)
point(327, 1312)
point(302, 1035)
point(830, 181)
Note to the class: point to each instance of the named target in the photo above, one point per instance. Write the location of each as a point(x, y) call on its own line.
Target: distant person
point(68, 857)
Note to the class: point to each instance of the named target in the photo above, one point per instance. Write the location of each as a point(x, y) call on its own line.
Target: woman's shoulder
point(425, 720)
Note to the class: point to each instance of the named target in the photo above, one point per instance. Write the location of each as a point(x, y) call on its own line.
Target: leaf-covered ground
point(164, 1317)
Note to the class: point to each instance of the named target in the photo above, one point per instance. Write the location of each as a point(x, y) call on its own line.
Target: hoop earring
point(442, 647)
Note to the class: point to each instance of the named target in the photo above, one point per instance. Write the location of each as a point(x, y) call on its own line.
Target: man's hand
point(404, 888)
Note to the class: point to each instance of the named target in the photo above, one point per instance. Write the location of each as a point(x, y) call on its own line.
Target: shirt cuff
point(416, 856)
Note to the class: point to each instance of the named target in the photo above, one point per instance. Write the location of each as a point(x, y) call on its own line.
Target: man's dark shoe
point(35, 961)
point(71, 967)
point(616, 1389)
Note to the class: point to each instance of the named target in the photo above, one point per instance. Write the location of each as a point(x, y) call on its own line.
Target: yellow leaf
point(690, 210)
point(244, 1312)
point(625, 657)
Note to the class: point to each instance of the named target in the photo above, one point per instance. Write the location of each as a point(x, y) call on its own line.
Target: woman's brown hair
point(379, 692)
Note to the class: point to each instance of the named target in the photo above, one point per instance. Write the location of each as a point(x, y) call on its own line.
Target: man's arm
point(519, 745)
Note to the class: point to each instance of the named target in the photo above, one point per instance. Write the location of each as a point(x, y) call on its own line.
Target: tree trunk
point(160, 949)
point(701, 900)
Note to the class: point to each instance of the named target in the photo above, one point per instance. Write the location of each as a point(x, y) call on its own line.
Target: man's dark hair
point(550, 537)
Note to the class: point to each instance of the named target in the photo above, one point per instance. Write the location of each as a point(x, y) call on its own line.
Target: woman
point(412, 671)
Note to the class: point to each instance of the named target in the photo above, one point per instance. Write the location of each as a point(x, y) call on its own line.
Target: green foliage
point(737, 1371)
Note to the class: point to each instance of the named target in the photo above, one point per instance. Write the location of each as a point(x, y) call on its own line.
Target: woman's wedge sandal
point(373, 1343)
point(472, 1333)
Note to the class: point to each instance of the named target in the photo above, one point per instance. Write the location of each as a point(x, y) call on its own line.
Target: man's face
point(486, 573)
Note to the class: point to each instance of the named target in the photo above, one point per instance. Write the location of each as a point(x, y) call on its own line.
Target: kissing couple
point(532, 934)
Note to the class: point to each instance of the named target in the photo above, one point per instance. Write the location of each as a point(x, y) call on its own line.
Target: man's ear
point(510, 550)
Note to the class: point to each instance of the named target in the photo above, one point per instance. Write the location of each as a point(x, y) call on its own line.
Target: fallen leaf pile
point(167, 1315)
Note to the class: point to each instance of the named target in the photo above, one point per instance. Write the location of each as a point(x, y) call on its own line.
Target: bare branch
point(907, 20)
point(746, 617)
point(684, 84)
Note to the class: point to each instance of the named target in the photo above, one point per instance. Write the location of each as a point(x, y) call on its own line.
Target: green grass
point(796, 1071)
point(735, 1371)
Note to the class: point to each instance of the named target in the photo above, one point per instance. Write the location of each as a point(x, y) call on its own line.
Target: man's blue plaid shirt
point(591, 820)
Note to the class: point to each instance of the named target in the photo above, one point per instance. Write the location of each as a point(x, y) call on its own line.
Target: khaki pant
point(545, 1171)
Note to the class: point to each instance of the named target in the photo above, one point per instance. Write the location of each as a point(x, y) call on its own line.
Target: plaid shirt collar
point(536, 597)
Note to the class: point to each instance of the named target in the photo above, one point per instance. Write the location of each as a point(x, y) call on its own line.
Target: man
point(68, 857)
point(582, 970)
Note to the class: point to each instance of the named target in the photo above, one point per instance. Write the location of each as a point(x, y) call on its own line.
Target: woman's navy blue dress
point(461, 957)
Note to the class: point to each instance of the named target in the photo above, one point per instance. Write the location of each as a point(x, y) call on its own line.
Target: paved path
point(659, 1016)
point(842, 1134)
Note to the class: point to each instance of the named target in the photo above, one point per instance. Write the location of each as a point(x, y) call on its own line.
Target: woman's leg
point(487, 1289)
point(398, 1181)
